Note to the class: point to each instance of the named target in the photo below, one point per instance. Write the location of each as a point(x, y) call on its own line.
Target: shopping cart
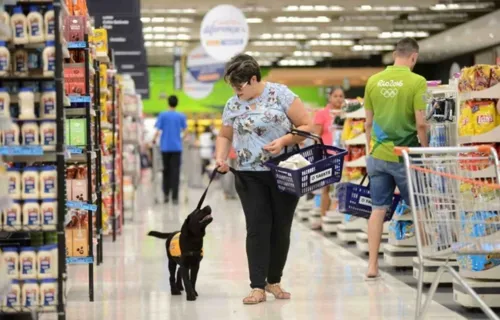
point(157, 174)
point(455, 202)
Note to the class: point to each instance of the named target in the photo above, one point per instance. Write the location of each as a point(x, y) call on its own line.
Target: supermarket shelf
point(396, 256)
point(81, 205)
point(28, 229)
point(443, 89)
point(490, 93)
point(78, 112)
point(80, 99)
point(79, 260)
point(430, 269)
point(359, 140)
point(489, 291)
point(21, 151)
point(359, 163)
point(410, 242)
point(485, 173)
point(27, 78)
point(490, 274)
point(488, 137)
point(358, 114)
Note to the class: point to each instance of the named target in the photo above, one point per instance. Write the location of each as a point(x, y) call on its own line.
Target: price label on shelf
point(81, 205)
point(77, 45)
point(21, 151)
point(74, 150)
point(80, 99)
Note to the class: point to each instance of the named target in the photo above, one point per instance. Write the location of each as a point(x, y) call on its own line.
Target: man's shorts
point(384, 177)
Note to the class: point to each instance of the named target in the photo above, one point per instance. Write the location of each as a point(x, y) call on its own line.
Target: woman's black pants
point(269, 215)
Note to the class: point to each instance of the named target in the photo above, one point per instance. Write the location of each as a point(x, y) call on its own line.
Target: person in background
point(206, 145)
point(171, 125)
point(323, 122)
point(256, 121)
point(395, 116)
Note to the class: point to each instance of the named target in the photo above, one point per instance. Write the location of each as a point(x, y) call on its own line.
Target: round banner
point(194, 89)
point(224, 32)
point(203, 67)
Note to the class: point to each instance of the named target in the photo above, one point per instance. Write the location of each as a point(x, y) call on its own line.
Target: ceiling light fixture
point(274, 43)
point(317, 54)
point(297, 28)
point(339, 36)
point(296, 62)
point(290, 36)
point(254, 20)
point(421, 26)
point(438, 16)
point(166, 20)
point(327, 43)
point(462, 6)
point(369, 18)
point(387, 8)
point(398, 34)
point(309, 8)
point(369, 47)
point(354, 28)
point(265, 54)
point(287, 19)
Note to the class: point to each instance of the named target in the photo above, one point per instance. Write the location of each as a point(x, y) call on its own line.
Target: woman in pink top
point(323, 121)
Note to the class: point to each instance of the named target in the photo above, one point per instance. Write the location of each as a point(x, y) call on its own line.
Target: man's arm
point(368, 129)
point(158, 127)
point(420, 106)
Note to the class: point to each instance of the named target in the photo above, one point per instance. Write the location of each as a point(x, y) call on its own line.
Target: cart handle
point(482, 148)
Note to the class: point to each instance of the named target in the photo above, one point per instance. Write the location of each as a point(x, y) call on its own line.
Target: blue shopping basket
point(355, 199)
point(325, 169)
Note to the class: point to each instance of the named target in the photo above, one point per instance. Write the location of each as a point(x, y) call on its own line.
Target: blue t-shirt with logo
point(171, 124)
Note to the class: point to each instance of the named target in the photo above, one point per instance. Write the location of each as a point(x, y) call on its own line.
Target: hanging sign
point(224, 32)
point(203, 67)
point(194, 89)
point(177, 66)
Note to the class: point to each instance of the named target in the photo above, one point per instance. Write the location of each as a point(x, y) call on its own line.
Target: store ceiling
point(289, 33)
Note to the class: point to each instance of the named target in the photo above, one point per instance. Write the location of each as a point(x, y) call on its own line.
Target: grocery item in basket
point(479, 224)
point(484, 116)
point(295, 162)
point(465, 123)
point(478, 262)
point(482, 74)
point(402, 229)
point(495, 75)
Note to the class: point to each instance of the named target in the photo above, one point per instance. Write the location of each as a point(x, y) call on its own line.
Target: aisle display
point(32, 191)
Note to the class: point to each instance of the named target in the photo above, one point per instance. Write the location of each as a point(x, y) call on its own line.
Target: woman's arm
point(301, 120)
point(223, 146)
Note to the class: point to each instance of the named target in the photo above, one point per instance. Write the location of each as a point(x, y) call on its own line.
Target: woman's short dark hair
point(241, 69)
point(335, 88)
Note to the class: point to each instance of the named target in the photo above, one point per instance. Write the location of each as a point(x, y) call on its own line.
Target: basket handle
point(317, 139)
point(363, 180)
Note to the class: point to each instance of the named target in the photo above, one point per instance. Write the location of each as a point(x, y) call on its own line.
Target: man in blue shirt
point(171, 124)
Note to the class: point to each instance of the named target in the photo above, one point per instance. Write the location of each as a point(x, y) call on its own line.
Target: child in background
point(323, 122)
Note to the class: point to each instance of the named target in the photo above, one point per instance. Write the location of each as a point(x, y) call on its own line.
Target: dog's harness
point(175, 248)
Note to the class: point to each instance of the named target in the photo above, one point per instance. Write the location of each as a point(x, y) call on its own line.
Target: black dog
point(185, 248)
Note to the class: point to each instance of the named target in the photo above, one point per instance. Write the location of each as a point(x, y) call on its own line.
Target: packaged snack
point(482, 73)
point(355, 174)
point(478, 262)
point(465, 125)
point(402, 229)
point(356, 152)
point(346, 133)
point(466, 80)
point(495, 75)
point(483, 115)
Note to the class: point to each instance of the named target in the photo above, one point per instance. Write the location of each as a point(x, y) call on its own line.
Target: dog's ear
point(207, 209)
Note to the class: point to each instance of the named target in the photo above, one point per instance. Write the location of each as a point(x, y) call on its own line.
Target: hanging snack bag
point(358, 128)
point(484, 116)
point(466, 127)
point(482, 74)
point(346, 133)
point(495, 75)
point(465, 83)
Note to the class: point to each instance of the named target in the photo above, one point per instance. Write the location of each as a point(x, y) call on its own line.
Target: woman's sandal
point(256, 296)
point(278, 292)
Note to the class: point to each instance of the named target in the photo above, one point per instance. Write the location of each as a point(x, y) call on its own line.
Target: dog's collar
point(192, 253)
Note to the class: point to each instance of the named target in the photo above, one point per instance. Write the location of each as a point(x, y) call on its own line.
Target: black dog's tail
point(159, 235)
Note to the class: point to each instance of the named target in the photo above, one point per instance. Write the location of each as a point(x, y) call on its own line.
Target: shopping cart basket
point(455, 202)
point(325, 169)
point(355, 199)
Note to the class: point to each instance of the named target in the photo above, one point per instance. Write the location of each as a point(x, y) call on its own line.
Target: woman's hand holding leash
point(222, 166)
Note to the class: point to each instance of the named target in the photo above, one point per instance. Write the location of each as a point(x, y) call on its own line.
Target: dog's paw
point(191, 298)
point(196, 293)
point(176, 292)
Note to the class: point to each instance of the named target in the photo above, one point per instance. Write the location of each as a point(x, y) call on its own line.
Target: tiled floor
point(326, 281)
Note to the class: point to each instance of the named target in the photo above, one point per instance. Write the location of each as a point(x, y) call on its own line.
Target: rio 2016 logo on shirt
point(224, 32)
point(389, 88)
point(390, 83)
point(389, 93)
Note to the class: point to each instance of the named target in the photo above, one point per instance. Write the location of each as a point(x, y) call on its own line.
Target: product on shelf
point(30, 293)
point(4, 59)
point(10, 256)
point(12, 216)
point(49, 59)
point(76, 130)
point(20, 62)
point(478, 263)
point(100, 39)
point(5, 21)
point(48, 132)
point(48, 182)
point(19, 25)
point(478, 77)
point(48, 104)
point(48, 294)
point(47, 261)
point(49, 214)
point(30, 133)
point(31, 214)
point(74, 76)
point(49, 19)
point(14, 178)
point(30, 181)
point(26, 104)
point(27, 263)
point(74, 28)
point(12, 300)
point(35, 25)
point(11, 136)
point(402, 229)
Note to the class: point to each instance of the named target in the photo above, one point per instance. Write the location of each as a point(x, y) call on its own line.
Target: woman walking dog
point(256, 121)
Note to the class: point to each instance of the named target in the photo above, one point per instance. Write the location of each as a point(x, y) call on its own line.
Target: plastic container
point(48, 104)
point(12, 300)
point(26, 104)
point(20, 61)
point(14, 177)
point(30, 182)
point(50, 28)
point(48, 182)
point(31, 215)
point(27, 263)
point(30, 293)
point(19, 25)
point(30, 133)
point(11, 136)
point(49, 214)
point(47, 262)
point(35, 25)
point(13, 217)
point(10, 256)
point(49, 59)
point(5, 20)
point(48, 132)
point(4, 59)
point(48, 294)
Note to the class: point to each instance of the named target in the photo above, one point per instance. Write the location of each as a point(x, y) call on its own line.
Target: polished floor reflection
point(325, 280)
